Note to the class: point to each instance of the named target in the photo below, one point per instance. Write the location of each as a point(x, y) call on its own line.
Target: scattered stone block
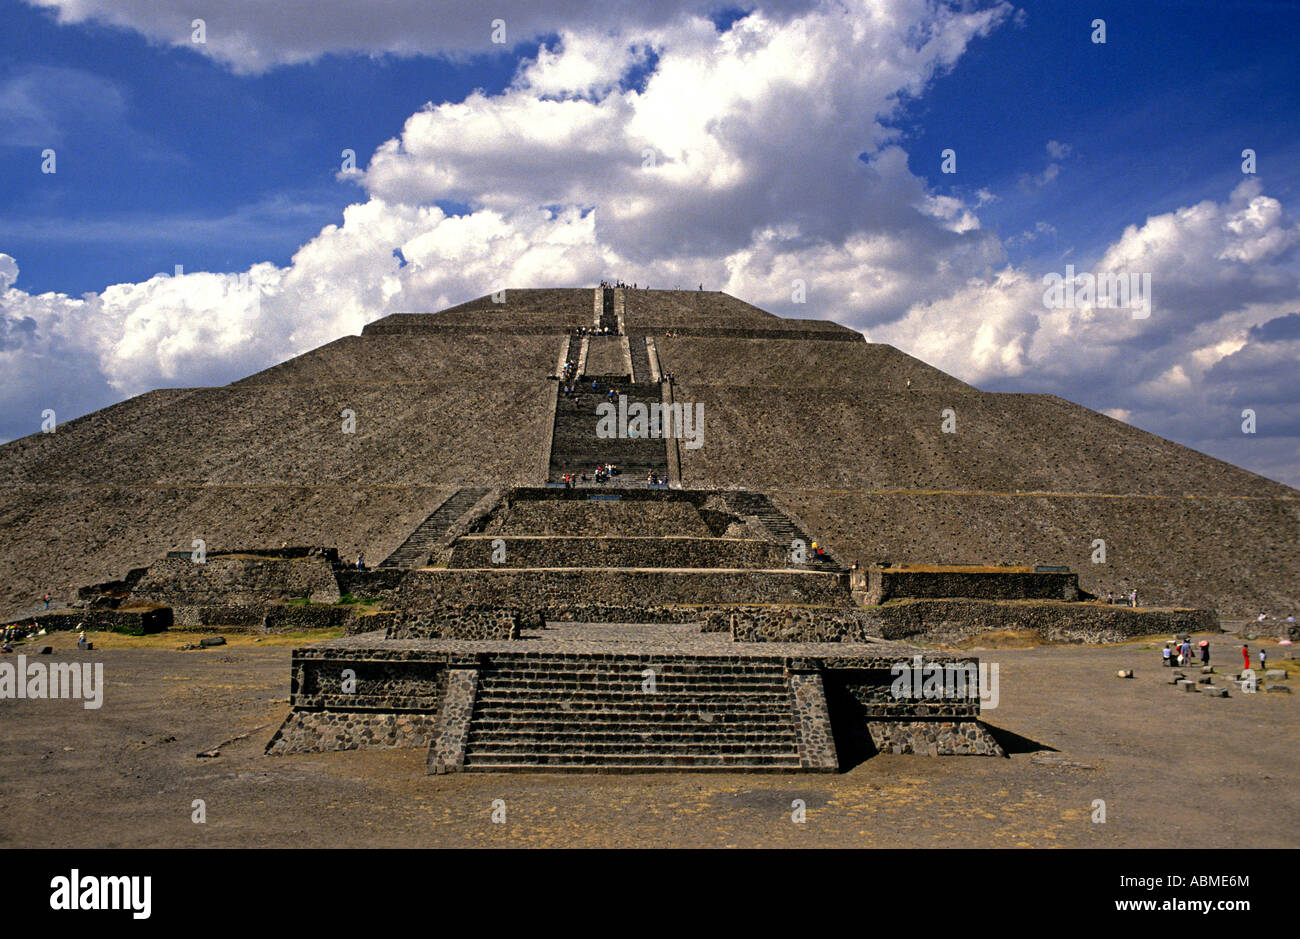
point(1275, 674)
point(1207, 670)
point(1214, 691)
point(1177, 677)
point(1275, 687)
point(209, 641)
point(1205, 680)
point(1124, 673)
point(1187, 685)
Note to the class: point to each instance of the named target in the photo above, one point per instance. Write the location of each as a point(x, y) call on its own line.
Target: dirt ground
point(1174, 770)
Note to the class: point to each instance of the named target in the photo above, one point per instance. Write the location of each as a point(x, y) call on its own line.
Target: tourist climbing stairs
point(782, 527)
point(565, 712)
point(415, 550)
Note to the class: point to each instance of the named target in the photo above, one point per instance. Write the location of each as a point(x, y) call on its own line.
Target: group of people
point(621, 285)
point(1130, 600)
point(18, 631)
point(1181, 653)
point(603, 472)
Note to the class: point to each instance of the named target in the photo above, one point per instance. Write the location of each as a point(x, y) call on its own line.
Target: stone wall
point(934, 738)
point(369, 583)
point(322, 731)
point(545, 590)
point(273, 617)
point(944, 621)
point(880, 585)
point(934, 621)
point(285, 618)
point(476, 551)
point(374, 699)
point(457, 622)
point(131, 622)
point(239, 617)
point(870, 692)
point(237, 580)
point(789, 624)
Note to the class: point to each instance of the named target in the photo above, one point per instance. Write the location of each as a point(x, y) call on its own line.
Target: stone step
point(416, 548)
point(631, 686)
point(501, 740)
point(627, 762)
point(550, 660)
point(643, 705)
point(634, 699)
point(527, 749)
point(632, 723)
point(555, 662)
point(625, 670)
point(613, 768)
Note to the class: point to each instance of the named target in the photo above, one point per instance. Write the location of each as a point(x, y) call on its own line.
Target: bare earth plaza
point(666, 570)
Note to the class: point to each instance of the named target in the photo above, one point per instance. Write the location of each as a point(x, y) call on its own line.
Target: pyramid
point(358, 445)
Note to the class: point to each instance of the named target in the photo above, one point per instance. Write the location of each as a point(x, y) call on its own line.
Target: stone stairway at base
point(776, 521)
point(417, 547)
point(575, 446)
point(590, 713)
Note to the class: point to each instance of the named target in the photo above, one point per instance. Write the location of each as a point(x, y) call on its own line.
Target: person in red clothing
point(1245, 656)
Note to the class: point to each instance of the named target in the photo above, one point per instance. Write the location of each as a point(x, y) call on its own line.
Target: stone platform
point(622, 698)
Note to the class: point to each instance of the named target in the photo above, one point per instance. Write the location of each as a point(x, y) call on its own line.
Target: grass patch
point(1005, 639)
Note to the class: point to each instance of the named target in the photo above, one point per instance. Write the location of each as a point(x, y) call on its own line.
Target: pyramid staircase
point(608, 318)
point(592, 713)
point(415, 550)
point(575, 446)
point(640, 360)
point(782, 527)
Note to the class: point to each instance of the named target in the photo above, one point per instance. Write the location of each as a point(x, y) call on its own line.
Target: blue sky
point(217, 171)
point(224, 157)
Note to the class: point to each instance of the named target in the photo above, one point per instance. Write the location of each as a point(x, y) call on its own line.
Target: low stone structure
point(934, 738)
point(457, 622)
point(548, 589)
point(137, 621)
point(1055, 621)
point(595, 707)
point(244, 578)
point(877, 585)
